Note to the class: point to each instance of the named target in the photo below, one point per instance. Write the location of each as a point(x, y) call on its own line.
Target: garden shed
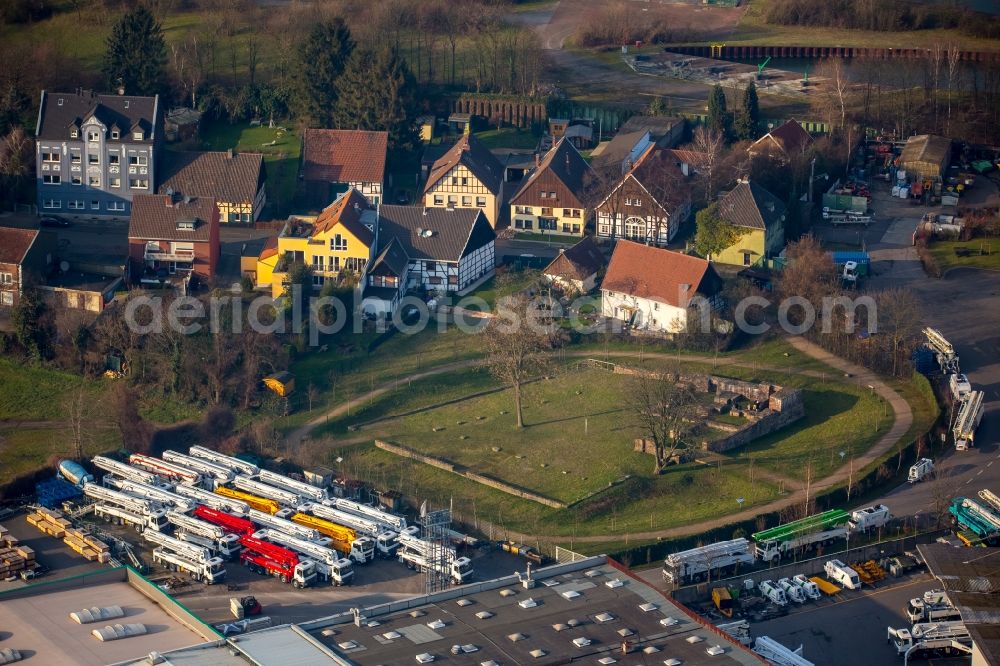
point(926, 156)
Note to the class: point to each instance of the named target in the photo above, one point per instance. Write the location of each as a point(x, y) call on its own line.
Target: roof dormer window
point(137, 135)
point(115, 134)
point(74, 133)
point(93, 135)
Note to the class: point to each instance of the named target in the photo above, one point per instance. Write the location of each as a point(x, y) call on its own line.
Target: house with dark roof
point(96, 152)
point(657, 290)
point(468, 176)
point(649, 203)
point(172, 238)
point(759, 217)
point(385, 283)
point(335, 160)
point(551, 199)
point(234, 180)
point(618, 155)
point(576, 269)
point(337, 244)
point(26, 256)
point(784, 142)
point(664, 131)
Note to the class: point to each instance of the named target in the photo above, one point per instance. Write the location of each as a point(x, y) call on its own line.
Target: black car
point(53, 221)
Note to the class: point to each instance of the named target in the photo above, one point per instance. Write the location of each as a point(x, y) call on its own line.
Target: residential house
point(576, 269)
point(335, 160)
point(760, 217)
point(80, 291)
point(649, 203)
point(94, 153)
point(689, 161)
point(657, 290)
point(926, 156)
point(579, 131)
point(339, 243)
point(621, 153)
point(234, 180)
point(551, 200)
point(386, 282)
point(784, 142)
point(664, 131)
point(172, 239)
point(26, 256)
point(468, 176)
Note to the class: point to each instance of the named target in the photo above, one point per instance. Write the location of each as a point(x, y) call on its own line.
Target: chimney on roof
point(567, 160)
point(121, 89)
point(538, 160)
point(169, 200)
point(229, 154)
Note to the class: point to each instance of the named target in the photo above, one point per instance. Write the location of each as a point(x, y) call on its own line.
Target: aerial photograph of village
point(499, 332)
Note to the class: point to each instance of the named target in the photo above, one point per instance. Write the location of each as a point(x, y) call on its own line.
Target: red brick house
point(172, 238)
point(26, 255)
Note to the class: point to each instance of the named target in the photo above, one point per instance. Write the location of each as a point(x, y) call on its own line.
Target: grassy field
point(984, 253)
point(508, 137)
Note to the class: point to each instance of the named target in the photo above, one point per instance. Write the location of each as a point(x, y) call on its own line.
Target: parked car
point(53, 221)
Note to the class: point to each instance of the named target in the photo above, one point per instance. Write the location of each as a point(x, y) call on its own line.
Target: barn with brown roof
point(577, 267)
point(657, 290)
point(783, 142)
point(335, 160)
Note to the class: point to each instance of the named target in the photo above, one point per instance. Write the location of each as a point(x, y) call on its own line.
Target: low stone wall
point(448, 466)
point(756, 391)
point(769, 421)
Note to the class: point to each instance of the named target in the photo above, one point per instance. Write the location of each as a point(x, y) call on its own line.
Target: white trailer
point(235, 464)
point(286, 526)
point(773, 592)
point(696, 564)
point(809, 588)
point(329, 564)
point(870, 517)
point(218, 502)
point(181, 555)
point(390, 520)
point(792, 591)
point(970, 414)
point(124, 471)
point(943, 350)
point(283, 497)
point(840, 573)
point(143, 514)
point(778, 654)
point(209, 470)
point(920, 470)
point(304, 490)
point(930, 637)
point(164, 497)
point(168, 470)
point(459, 569)
point(225, 544)
point(386, 541)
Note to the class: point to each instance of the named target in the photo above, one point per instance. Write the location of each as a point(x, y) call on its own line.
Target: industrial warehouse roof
point(502, 622)
point(926, 148)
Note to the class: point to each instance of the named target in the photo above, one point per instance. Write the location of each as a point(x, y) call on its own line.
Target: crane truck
point(840, 573)
point(929, 612)
point(141, 513)
point(214, 500)
point(943, 350)
point(416, 556)
point(251, 501)
point(271, 559)
point(282, 497)
point(214, 537)
point(329, 564)
point(211, 472)
point(778, 654)
point(227, 521)
point(809, 532)
point(931, 638)
point(970, 514)
point(168, 470)
point(390, 520)
point(970, 414)
point(235, 464)
point(990, 498)
point(346, 541)
point(386, 541)
point(869, 517)
point(711, 561)
point(123, 471)
point(188, 557)
point(304, 490)
point(288, 527)
point(164, 497)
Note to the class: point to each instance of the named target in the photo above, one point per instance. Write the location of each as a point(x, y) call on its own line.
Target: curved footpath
point(903, 419)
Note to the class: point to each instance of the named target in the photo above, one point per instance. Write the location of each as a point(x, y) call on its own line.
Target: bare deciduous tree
point(708, 143)
point(664, 410)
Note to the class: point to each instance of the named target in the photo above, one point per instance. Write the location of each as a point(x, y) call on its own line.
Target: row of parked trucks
point(937, 628)
point(969, 408)
point(725, 558)
point(204, 508)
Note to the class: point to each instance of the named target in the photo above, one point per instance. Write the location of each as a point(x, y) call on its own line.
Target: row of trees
point(742, 124)
point(882, 16)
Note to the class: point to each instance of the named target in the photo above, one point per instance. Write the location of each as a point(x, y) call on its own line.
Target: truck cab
point(362, 550)
point(304, 574)
point(461, 570)
point(920, 470)
point(959, 385)
point(386, 544)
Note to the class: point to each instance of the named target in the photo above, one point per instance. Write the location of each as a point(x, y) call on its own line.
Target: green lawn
point(508, 137)
point(557, 239)
point(513, 281)
point(983, 253)
point(23, 450)
point(281, 147)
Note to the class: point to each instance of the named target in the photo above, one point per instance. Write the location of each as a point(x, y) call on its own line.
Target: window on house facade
point(6, 278)
point(547, 224)
point(434, 280)
point(76, 180)
point(137, 136)
point(94, 181)
point(454, 180)
point(635, 228)
point(239, 217)
point(51, 179)
point(138, 160)
point(75, 205)
point(115, 182)
point(74, 133)
point(338, 242)
point(6, 298)
point(95, 204)
point(318, 280)
point(438, 200)
point(430, 266)
point(746, 259)
point(138, 183)
point(453, 279)
point(93, 135)
point(547, 212)
point(318, 264)
point(50, 157)
point(334, 262)
point(355, 264)
point(465, 180)
point(466, 201)
point(481, 202)
point(115, 134)
point(452, 202)
point(604, 229)
point(114, 159)
point(51, 204)
point(93, 158)
point(116, 205)
point(74, 157)
point(576, 228)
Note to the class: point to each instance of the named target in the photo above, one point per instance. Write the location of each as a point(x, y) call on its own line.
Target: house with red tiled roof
point(26, 255)
point(657, 290)
point(467, 176)
point(783, 142)
point(649, 203)
point(172, 238)
point(335, 160)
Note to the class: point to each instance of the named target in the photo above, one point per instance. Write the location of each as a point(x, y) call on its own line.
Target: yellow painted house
point(338, 243)
point(760, 216)
point(467, 176)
